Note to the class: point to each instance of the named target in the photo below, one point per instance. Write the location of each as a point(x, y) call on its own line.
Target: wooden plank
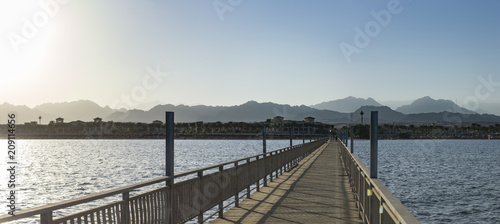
point(316, 191)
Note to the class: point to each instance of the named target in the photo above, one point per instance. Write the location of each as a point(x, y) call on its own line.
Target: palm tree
point(361, 113)
point(39, 119)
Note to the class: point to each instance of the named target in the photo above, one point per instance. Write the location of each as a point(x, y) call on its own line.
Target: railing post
point(281, 161)
point(46, 218)
point(381, 211)
point(373, 144)
point(370, 207)
point(237, 195)
point(169, 137)
point(271, 176)
point(264, 150)
point(125, 210)
point(352, 139)
point(360, 195)
point(248, 173)
point(221, 202)
point(258, 173)
point(288, 158)
point(200, 205)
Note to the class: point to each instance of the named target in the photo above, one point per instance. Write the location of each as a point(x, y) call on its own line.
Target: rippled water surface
point(54, 170)
point(441, 181)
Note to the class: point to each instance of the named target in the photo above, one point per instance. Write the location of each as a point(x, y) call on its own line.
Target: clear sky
point(124, 53)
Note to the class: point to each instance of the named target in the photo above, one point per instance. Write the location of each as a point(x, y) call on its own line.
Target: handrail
point(234, 161)
point(125, 190)
point(80, 200)
point(398, 212)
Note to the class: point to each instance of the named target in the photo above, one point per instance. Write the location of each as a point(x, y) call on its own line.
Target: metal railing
point(375, 203)
point(191, 198)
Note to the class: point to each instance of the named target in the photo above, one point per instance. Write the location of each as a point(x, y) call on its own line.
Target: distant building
point(59, 120)
point(279, 124)
point(77, 122)
point(158, 122)
point(97, 120)
point(277, 120)
point(309, 120)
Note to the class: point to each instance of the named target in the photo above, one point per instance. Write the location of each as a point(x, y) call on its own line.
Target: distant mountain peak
point(346, 105)
point(429, 105)
point(251, 102)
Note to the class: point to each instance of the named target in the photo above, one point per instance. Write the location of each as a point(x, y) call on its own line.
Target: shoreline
point(200, 137)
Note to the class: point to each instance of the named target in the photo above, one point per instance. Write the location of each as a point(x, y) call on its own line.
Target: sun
point(17, 67)
point(18, 60)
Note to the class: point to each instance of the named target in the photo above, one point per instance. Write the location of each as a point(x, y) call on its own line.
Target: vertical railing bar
point(138, 212)
point(201, 202)
point(235, 181)
point(165, 205)
point(156, 206)
point(281, 162)
point(381, 208)
point(258, 173)
point(145, 209)
point(46, 218)
point(125, 210)
point(221, 202)
point(264, 149)
point(289, 159)
point(249, 183)
point(270, 166)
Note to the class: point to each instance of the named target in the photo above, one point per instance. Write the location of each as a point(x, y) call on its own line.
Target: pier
point(316, 191)
point(316, 182)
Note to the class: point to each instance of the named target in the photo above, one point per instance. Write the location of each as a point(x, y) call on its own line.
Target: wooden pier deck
point(316, 191)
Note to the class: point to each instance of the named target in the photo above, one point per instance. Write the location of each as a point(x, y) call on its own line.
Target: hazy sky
point(226, 52)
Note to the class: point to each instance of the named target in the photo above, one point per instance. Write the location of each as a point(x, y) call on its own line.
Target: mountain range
point(345, 110)
point(429, 105)
point(346, 105)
